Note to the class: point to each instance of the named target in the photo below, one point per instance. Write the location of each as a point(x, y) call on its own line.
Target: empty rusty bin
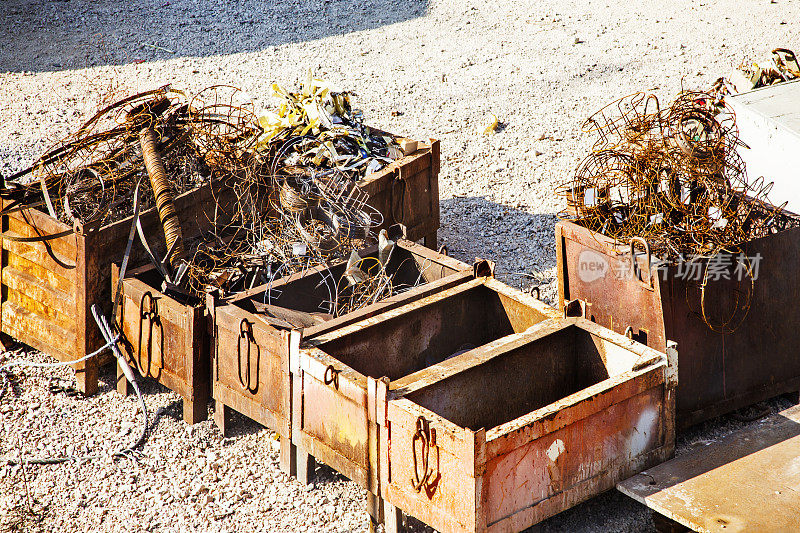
point(337, 374)
point(251, 350)
point(508, 434)
point(751, 359)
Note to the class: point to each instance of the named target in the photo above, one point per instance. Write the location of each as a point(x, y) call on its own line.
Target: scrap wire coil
point(286, 217)
point(674, 178)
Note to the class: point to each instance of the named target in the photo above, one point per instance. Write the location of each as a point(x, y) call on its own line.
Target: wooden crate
point(338, 372)
point(511, 433)
point(406, 192)
point(164, 339)
point(50, 279)
point(251, 352)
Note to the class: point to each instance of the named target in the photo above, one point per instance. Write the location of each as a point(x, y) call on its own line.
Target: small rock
point(198, 488)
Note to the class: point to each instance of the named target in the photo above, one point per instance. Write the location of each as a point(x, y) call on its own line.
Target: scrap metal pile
point(293, 172)
point(781, 66)
point(316, 128)
point(672, 177)
point(318, 149)
point(90, 177)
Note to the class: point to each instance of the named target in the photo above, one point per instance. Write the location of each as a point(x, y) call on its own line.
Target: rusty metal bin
point(508, 434)
point(251, 351)
point(339, 372)
point(406, 192)
point(52, 273)
point(164, 339)
point(719, 371)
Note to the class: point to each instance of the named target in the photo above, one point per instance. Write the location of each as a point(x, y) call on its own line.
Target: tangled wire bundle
point(90, 176)
point(296, 204)
point(672, 177)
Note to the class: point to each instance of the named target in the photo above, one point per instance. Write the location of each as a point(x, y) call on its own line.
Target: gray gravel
point(542, 67)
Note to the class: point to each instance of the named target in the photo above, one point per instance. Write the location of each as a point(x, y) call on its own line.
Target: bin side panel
point(547, 475)
point(159, 346)
point(38, 284)
point(334, 425)
point(264, 397)
point(723, 370)
point(447, 502)
point(594, 273)
point(407, 192)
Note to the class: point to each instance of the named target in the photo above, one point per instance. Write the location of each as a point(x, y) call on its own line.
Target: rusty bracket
point(576, 308)
point(483, 268)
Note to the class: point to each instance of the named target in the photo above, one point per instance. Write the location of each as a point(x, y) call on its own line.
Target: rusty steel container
point(339, 373)
point(406, 192)
point(252, 351)
point(52, 273)
point(508, 434)
point(164, 339)
point(721, 369)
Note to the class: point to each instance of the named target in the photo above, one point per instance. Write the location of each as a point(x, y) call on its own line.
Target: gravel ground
point(422, 69)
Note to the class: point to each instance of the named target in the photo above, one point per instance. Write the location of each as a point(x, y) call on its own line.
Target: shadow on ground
point(522, 244)
point(46, 35)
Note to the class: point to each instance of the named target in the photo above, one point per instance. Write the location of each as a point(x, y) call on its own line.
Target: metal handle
point(246, 334)
point(149, 314)
point(443, 249)
point(427, 437)
point(646, 245)
point(537, 290)
point(331, 376)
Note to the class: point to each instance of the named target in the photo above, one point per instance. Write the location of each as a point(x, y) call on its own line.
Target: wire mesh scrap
point(297, 204)
point(673, 177)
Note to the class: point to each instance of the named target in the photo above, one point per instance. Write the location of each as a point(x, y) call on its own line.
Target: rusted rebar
point(162, 190)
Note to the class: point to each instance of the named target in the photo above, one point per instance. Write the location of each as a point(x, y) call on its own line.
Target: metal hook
point(427, 436)
point(150, 314)
point(537, 290)
point(246, 333)
point(331, 376)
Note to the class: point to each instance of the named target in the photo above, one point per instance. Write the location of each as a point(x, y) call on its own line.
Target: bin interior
point(524, 379)
point(431, 333)
point(312, 292)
